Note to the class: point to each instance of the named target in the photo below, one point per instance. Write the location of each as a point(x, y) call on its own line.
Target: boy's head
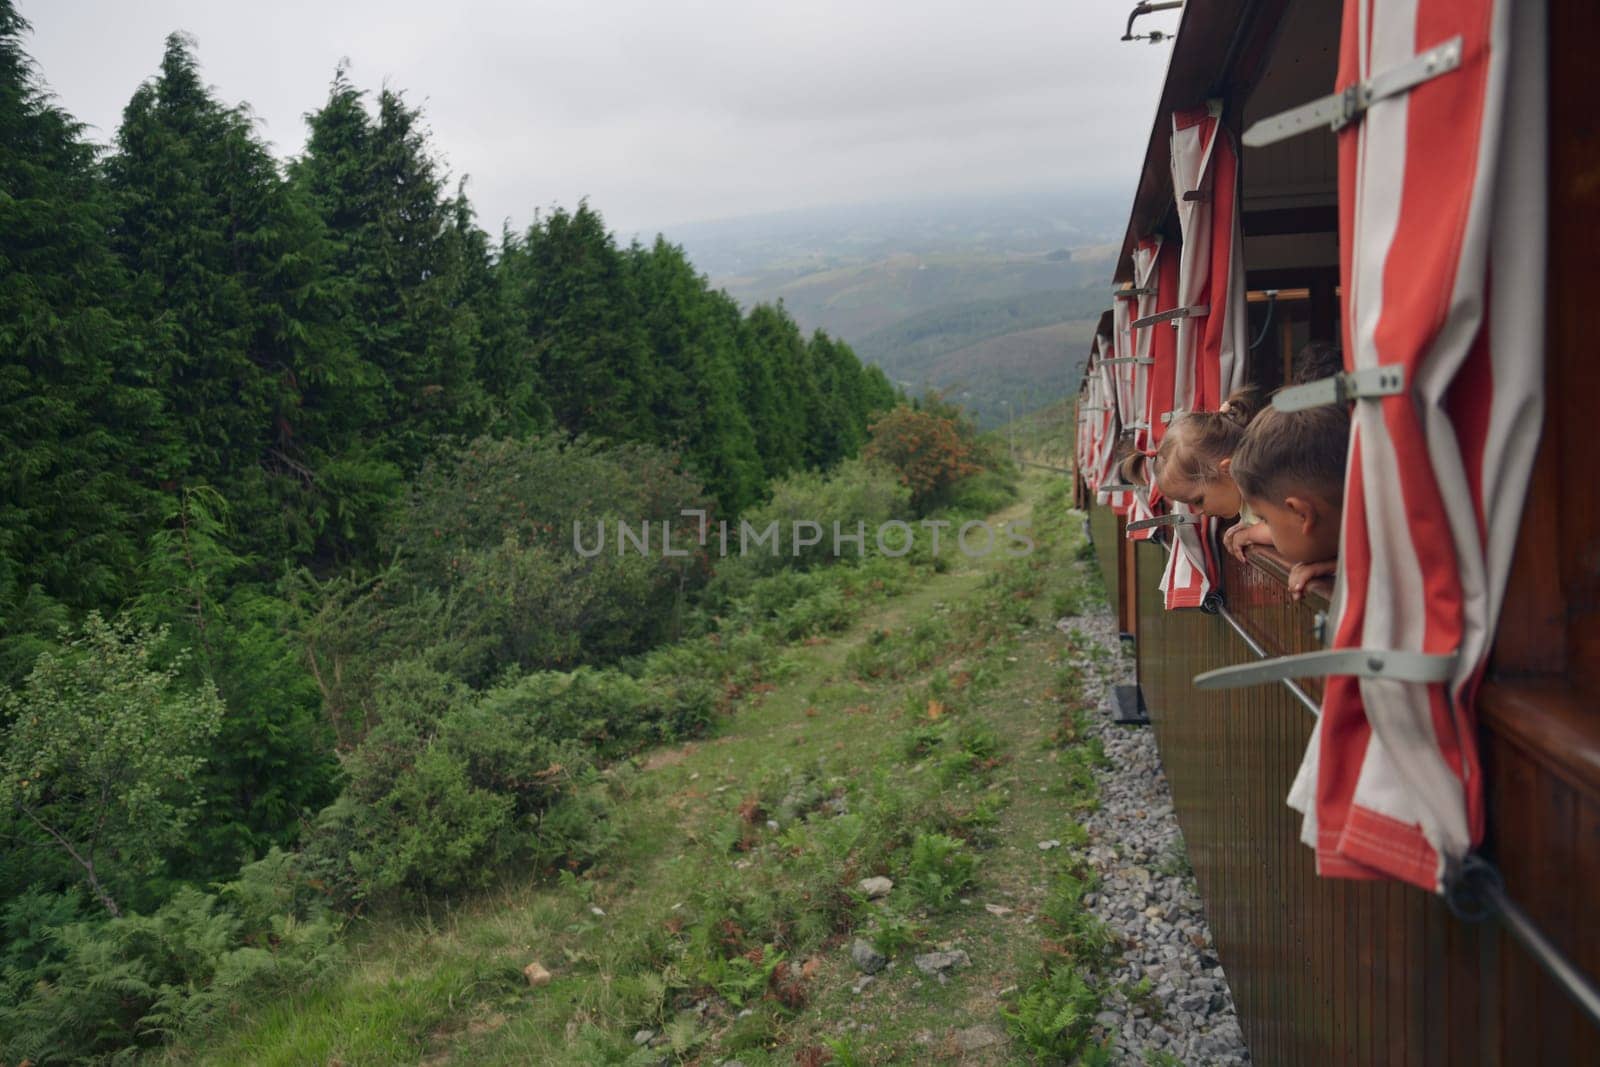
point(1290, 469)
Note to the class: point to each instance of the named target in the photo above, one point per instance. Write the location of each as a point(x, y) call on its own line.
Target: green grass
point(934, 739)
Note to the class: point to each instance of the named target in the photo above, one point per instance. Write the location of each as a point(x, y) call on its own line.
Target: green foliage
point(1054, 1016)
point(938, 869)
point(75, 404)
point(400, 253)
point(128, 982)
point(443, 791)
point(270, 764)
point(853, 498)
point(100, 755)
point(325, 443)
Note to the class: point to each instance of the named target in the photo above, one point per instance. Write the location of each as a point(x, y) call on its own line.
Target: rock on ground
point(1148, 897)
point(866, 958)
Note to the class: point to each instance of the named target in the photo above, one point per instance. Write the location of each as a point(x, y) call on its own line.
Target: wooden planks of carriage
point(1328, 972)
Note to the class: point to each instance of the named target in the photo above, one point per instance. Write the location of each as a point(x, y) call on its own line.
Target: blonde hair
point(1198, 441)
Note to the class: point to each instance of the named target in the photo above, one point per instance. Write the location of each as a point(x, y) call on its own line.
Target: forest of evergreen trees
point(288, 450)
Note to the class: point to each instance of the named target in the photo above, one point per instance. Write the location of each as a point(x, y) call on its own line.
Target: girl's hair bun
point(1241, 406)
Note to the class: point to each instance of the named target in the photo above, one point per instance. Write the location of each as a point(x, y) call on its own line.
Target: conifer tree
point(693, 336)
point(229, 276)
point(402, 252)
point(572, 294)
point(772, 387)
point(74, 406)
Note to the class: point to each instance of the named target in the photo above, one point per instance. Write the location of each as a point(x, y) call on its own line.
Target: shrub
point(488, 579)
point(982, 493)
point(451, 785)
point(128, 982)
point(100, 755)
point(930, 452)
point(441, 792)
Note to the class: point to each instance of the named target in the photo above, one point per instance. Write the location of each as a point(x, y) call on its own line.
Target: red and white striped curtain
point(1210, 347)
point(1106, 435)
point(1436, 184)
point(1134, 346)
point(1083, 441)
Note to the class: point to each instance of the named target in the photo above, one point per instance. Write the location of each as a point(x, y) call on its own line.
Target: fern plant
point(939, 870)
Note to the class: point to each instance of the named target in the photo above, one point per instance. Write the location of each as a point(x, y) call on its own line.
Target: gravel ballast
point(1147, 894)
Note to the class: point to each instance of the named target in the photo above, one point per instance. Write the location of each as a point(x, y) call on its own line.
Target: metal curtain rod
point(1261, 653)
point(1576, 984)
point(1488, 884)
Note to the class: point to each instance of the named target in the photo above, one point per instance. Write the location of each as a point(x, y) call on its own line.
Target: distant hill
point(986, 354)
point(991, 301)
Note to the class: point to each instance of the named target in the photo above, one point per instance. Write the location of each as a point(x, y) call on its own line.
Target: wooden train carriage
point(1326, 970)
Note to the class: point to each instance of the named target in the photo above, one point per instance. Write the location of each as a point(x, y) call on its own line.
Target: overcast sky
point(667, 111)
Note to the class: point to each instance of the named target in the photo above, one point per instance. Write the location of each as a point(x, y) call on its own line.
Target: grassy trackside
point(932, 741)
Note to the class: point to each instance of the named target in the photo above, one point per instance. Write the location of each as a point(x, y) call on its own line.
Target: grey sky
point(665, 111)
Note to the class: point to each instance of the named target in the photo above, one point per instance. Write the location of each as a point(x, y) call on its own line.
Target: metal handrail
point(1261, 653)
point(1486, 882)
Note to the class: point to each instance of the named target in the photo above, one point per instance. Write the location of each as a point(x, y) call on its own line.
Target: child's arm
point(1302, 573)
point(1239, 538)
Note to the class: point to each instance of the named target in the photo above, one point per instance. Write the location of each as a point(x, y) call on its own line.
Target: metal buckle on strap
point(1338, 110)
point(1143, 361)
point(1384, 663)
point(1132, 292)
point(1173, 519)
point(1368, 383)
point(1193, 311)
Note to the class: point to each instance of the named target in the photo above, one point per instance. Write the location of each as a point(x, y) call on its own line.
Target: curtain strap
point(1368, 383)
point(1388, 663)
point(1338, 110)
point(1193, 311)
point(1173, 519)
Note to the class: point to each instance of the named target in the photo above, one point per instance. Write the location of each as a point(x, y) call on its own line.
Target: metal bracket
point(1173, 519)
point(1130, 293)
point(1354, 662)
point(1193, 311)
point(1094, 407)
point(1338, 110)
point(1117, 487)
point(1192, 196)
point(1368, 383)
point(1136, 426)
point(1168, 417)
point(1143, 361)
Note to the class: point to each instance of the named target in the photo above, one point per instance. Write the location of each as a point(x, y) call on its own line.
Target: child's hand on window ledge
point(1240, 538)
point(1302, 573)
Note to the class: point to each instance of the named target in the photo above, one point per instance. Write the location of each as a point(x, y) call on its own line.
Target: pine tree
point(772, 387)
point(74, 408)
point(403, 251)
point(570, 289)
point(508, 369)
point(693, 335)
point(230, 276)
